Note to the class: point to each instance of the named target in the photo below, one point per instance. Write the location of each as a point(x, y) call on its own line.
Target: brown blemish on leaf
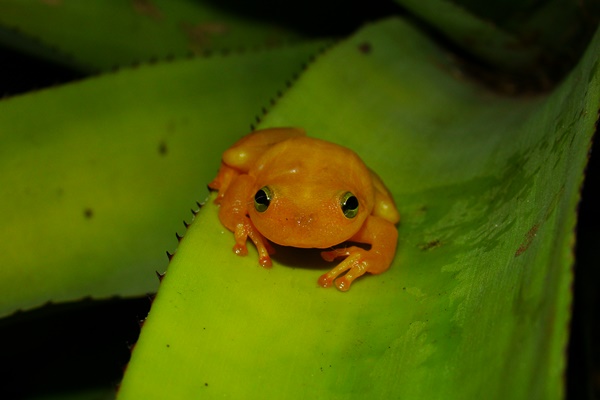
point(200, 35)
point(147, 8)
point(88, 213)
point(430, 245)
point(365, 47)
point(532, 233)
point(529, 236)
point(162, 148)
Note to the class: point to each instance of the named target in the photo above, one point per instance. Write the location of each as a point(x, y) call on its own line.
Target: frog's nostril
point(303, 220)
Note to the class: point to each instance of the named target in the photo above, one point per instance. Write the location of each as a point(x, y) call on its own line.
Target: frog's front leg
point(382, 235)
point(233, 214)
point(222, 181)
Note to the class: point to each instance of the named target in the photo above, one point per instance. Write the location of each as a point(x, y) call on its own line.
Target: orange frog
point(278, 184)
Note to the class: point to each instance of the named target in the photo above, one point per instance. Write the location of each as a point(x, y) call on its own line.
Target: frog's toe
point(343, 283)
point(265, 262)
point(325, 280)
point(240, 250)
point(349, 264)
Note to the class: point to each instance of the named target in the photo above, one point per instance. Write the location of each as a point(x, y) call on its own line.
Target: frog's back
point(309, 158)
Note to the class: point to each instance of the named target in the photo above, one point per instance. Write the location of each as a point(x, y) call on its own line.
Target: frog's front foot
point(240, 249)
point(357, 262)
point(246, 230)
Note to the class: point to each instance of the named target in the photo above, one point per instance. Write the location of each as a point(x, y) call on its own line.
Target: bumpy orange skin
point(306, 179)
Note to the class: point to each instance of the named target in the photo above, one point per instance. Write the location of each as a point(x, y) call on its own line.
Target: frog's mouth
point(308, 234)
point(311, 244)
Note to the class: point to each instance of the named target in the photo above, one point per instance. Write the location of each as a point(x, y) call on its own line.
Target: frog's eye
point(262, 199)
point(349, 205)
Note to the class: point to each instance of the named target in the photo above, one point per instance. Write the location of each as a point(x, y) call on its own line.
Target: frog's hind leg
point(378, 232)
point(354, 264)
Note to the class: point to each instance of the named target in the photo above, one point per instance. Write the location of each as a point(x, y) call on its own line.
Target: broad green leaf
point(97, 175)
point(522, 37)
point(100, 34)
point(476, 304)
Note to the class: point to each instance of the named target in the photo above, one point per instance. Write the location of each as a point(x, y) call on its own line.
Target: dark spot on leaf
point(88, 213)
point(147, 8)
point(205, 383)
point(365, 47)
point(430, 245)
point(168, 345)
point(162, 148)
point(529, 236)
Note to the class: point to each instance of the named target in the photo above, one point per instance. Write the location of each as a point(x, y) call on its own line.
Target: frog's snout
point(304, 220)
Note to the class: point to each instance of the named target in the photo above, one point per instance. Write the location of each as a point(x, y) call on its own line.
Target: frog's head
point(307, 213)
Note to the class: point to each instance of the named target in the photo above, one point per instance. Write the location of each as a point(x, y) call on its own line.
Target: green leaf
point(522, 37)
point(98, 175)
point(97, 35)
point(476, 304)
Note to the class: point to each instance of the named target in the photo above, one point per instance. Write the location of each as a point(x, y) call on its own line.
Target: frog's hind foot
point(353, 266)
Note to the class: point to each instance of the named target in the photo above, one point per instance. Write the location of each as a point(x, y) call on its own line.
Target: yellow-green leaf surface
point(99, 34)
point(97, 176)
point(476, 303)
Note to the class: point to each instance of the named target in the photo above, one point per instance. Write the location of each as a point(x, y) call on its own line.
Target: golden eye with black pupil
point(262, 199)
point(349, 205)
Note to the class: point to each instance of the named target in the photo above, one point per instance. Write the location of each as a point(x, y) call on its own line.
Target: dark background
point(87, 344)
